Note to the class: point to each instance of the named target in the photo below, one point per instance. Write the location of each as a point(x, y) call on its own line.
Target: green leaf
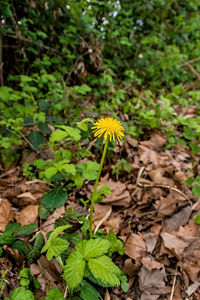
point(105, 190)
point(58, 135)
point(25, 277)
point(68, 168)
point(1, 251)
point(104, 269)
point(197, 219)
point(55, 246)
point(35, 253)
point(50, 172)
point(21, 293)
point(82, 125)
point(25, 230)
point(189, 181)
point(93, 248)
point(124, 283)
point(36, 139)
point(74, 133)
point(54, 294)
point(74, 270)
point(196, 190)
point(116, 244)
point(88, 292)
point(55, 198)
point(89, 170)
point(21, 247)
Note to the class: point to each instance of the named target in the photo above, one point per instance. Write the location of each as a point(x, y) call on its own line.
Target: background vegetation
point(65, 63)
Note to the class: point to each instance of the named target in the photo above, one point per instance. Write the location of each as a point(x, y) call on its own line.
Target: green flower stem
point(95, 186)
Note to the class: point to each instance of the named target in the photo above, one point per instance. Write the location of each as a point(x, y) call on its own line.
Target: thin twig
point(103, 219)
point(146, 183)
point(190, 61)
point(173, 287)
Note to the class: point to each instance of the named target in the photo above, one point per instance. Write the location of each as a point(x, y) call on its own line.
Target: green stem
point(95, 186)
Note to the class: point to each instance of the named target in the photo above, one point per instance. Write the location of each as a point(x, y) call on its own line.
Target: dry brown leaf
point(135, 247)
point(166, 206)
point(119, 196)
point(6, 214)
point(192, 269)
point(27, 198)
point(176, 244)
point(151, 241)
point(28, 215)
point(113, 224)
point(129, 267)
point(151, 264)
point(156, 142)
point(107, 295)
point(179, 219)
point(148, 156)
point(152, 283)
point(48, 225)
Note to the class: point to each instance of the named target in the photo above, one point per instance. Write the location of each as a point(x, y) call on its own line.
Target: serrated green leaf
point(88, 292)
point(68, 168)
point(54, 294)
point(74, 270)
point(35, 253)
point(93, 248)
point(25, 230)
point(124, 283)
point(58, 135)
point(50, 172)
point(21, 293)
point(55, 246)
point(105, 190)
point(196, 190)
point(25, 277)
point(54, 198)
point(104, 269)
point(116, 244)
point(197, 219)
point(89, 170)
point(36, 139)
point(21, 247)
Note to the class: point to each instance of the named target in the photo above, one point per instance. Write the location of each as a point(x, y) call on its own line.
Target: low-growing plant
point(90, 260)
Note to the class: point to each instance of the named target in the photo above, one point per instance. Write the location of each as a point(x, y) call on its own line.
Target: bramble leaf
point(55, 198)
point(88, 292)
point(89, 170)
point(21, 293)
point(74, 270)
point(53, 294)
point(93, 248)
point(104, 269)
point(55, 246)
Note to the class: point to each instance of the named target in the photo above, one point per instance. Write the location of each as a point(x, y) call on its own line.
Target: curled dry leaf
point(151, 263)
point(119, 196)
point(152, 284)
point(179, 219)
point(175, 243)
point(28, 215)
point(6, 213)
point(135, 247)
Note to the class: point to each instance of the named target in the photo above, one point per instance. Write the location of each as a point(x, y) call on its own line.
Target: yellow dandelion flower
point(108, 127)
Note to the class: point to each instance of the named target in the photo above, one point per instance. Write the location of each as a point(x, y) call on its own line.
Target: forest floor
point(150, 209)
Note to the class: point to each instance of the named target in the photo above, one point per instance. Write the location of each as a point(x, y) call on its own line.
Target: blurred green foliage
point(65, 62)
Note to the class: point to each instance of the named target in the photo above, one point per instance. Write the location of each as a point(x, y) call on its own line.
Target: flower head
point(108, 127)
